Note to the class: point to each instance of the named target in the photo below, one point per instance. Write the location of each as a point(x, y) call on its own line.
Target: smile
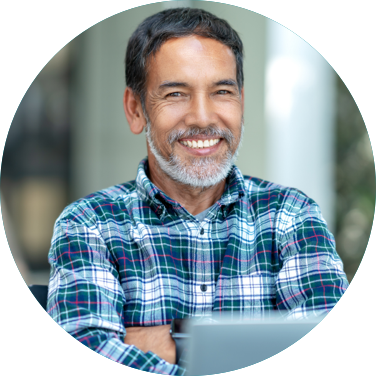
point(200, 144)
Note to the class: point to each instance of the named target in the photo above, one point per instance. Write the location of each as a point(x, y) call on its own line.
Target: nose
point(201, 111)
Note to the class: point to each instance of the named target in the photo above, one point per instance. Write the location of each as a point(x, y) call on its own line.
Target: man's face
point(194, 110)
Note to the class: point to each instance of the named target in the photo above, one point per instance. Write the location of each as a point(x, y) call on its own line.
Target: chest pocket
point(251, 295)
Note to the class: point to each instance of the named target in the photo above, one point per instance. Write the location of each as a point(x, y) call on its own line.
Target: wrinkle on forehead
point(188, 56)
point(197, 46)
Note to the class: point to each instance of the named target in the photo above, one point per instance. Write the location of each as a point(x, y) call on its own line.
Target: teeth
point(199, 144)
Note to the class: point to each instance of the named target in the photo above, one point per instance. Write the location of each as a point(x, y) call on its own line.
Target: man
point(191, 235)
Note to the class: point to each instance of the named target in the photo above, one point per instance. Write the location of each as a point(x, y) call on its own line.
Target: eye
point(222, 92)
point(174, 94)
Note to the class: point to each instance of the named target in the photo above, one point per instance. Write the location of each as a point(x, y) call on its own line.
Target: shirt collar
point(234, 190)
point(145, 188)
point(235, 187)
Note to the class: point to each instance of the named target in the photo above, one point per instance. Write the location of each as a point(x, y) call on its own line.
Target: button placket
point(202, 288)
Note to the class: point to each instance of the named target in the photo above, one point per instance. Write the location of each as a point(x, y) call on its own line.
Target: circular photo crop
point(188, 187)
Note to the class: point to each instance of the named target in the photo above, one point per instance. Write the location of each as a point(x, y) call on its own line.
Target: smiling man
point(191, 235)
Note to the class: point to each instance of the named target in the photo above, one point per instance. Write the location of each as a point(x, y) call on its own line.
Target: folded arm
point(87, 300)
point(311, 279)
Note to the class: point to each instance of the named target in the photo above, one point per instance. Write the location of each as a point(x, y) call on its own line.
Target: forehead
point(191, 58)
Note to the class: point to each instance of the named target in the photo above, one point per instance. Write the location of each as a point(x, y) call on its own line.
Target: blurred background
point(69, 136)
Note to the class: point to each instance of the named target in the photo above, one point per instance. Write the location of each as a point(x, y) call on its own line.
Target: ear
point(133, 111)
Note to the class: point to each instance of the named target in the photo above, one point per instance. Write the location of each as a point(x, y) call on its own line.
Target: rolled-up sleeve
point(85, 295)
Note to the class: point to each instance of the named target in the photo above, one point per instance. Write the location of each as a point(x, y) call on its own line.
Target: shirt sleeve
point(311, 278)
point(86, 298)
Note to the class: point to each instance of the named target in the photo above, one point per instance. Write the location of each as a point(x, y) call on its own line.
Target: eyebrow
point(229, 82)
point(168, 84)
point(172, 84)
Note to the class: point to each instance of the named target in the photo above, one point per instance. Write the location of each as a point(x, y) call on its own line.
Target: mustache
point(197, 131)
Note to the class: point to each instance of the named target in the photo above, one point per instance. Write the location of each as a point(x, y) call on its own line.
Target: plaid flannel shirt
point(131, 256)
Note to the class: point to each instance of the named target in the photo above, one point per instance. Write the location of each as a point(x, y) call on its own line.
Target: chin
point(196, 172)
point(201, 172)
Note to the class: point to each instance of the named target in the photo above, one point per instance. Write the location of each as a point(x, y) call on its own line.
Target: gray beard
point(202, 172)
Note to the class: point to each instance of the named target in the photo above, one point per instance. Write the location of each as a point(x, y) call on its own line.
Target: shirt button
point(202, 231)
point(203, 288)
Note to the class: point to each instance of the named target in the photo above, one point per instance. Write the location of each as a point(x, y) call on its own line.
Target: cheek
point(168, 113)
point(233, 122)
point(160, 138)
point(230, 111)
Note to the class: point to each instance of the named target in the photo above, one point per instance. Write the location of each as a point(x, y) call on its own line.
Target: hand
point(156, 339)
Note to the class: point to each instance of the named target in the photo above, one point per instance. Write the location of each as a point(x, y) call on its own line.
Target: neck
point(194, 199)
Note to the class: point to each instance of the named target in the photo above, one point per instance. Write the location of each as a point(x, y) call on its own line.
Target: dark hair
point(171, 23)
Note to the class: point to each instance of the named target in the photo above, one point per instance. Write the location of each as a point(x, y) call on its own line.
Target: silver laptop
point(222, 345)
